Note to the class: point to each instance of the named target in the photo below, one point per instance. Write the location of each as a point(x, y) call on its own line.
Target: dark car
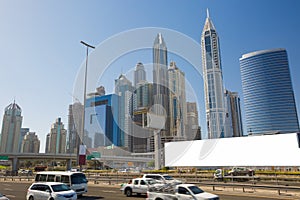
point(241, 171)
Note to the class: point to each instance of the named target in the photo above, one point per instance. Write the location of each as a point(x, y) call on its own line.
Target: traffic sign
point(3, 158)
point(96, 154)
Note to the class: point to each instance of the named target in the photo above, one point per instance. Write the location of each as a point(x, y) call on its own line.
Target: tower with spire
point(160, 75)
point(213, 81)
point(11, 129)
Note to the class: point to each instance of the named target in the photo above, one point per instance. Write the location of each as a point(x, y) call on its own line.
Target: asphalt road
point(17, 191)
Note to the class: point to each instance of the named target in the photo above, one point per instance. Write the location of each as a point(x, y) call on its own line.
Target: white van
point(75, 180)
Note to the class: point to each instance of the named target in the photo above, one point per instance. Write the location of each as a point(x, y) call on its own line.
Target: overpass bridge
point(113, 161)
point(15, 157)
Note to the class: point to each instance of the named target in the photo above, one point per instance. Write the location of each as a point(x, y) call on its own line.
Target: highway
point(17, 191)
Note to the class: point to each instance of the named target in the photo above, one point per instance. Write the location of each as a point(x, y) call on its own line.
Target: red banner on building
point(82, 159)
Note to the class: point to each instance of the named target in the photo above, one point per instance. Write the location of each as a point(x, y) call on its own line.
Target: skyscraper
point(24, 131)
point(140, 140)
point(268, 93)
point(56, 139)
point(177, 102)
point(160, 96)
point(30, 143)
point(143, 90)
point(74, 126)
point(213, 81)
point(124, 88)
point(234, 114)
point(139, 74)
point(160, 75)
point(143, 95)
point(192, 127)
point(11, 129)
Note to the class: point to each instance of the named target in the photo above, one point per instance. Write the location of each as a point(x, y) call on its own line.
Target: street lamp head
point(87, 45)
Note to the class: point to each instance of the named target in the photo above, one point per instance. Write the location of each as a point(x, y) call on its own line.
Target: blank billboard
point(265, 150)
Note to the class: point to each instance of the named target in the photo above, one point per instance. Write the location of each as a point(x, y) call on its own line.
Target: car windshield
point(168, 177)
point(60, 187)
point(1, 195)
point(78, 178)
point(195, 190)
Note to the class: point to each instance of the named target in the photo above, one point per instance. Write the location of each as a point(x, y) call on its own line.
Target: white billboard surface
point(265, 150)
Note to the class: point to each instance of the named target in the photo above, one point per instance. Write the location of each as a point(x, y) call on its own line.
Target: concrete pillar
point(69, 164)
point(157, 149)
point(15, 165)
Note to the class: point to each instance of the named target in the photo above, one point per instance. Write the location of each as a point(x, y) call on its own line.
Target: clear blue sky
point(41, 53)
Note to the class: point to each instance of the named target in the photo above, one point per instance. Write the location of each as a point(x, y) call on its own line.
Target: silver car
point(50, 191)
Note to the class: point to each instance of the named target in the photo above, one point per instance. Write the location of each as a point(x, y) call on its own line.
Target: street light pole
point(80, 146)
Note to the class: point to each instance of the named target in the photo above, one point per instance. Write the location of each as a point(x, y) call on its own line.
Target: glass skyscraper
point(268, 94)
point(102, 120)
point(213, 81)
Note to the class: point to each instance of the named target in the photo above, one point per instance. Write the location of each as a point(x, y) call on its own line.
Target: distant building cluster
point(122, 119)
point(15, 139)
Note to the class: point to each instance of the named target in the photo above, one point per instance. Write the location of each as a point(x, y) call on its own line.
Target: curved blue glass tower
point(268, 94)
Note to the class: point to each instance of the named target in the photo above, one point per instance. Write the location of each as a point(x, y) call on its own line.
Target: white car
point(138, 186)
point(3, 197)
point(162, 178)
point(50, 191)
point(180, 192)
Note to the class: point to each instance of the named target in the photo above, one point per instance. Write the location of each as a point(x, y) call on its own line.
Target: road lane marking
point(108, 191)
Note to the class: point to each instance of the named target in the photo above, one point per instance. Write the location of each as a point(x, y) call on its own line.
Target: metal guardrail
point(277, 186)
point(16, 178)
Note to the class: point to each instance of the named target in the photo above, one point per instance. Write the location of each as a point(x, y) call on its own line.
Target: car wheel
point(128, 193)
point(31, 198)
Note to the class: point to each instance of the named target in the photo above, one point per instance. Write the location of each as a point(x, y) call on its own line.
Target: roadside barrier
point(282, 186)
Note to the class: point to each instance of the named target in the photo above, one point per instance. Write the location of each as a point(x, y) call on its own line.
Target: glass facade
point(102, 120)
point(268, 93)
